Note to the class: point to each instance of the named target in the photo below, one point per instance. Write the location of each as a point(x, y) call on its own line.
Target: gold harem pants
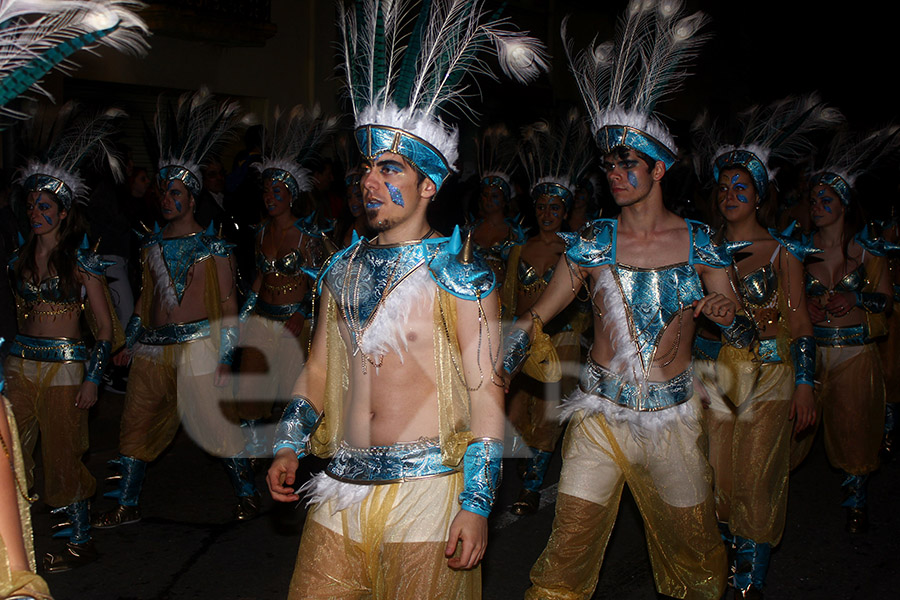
point(390, 545)
point(171, 385)
point(670, 479)
point(749, 447)
point(42, 395)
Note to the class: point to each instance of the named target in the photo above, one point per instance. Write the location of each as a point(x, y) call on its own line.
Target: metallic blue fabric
point(872, 302)
point(747, 161)
point(247, 307)
point(284, 177)
point(133, 331)
point(611, 137)
point(800, 248)
point(705, 251)
point(657, 396)
point(240, 473)
point(175, 333)
point(297, 423)
point(494, 181)
point(48, 349)
point(482, 469)
point(278, 312)
point(740, 333)
point(803, 355)
point(837, 337)
point(256, 446)
point(706, 349)
point(767, 351)
point(48, 290)
point(190, 181)
point(98, 362)
point(469, 281)
point(182, 253)
point(840, 186)
point(875, 244)
point(760, 286)
point(515, 349)
point(131, 478)
point(228, 339)
point(890, 413)
point(78, 526)
point(403, 461)
point(39, 182)
point(374, 140)
point(853, 281)
point(751, 562)
point(535, 469)
point(553, 189)
point(594, 246)
point(857, 490)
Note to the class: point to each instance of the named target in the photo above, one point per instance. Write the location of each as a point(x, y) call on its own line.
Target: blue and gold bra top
point(47, 291)
point(854, 281)
point(758, 287)
point(530, 281)
point(289, 265)
point(363, 274)
point(499, 251)
point(180, 254)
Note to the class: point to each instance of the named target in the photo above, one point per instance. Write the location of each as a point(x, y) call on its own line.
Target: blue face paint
point(826, 208)
point(742, 198)
point(178, 206)
point(48, 219)
point(734, 178)
point(396, 196)
point(820, 193)
point(632, 179)
point(373, 204)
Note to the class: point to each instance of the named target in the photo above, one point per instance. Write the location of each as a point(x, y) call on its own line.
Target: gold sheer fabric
point(852, 396)
point(42, 395)
point(671, 482)
point(390, 545)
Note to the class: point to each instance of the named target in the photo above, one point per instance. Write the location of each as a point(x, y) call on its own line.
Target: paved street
point(187, 547)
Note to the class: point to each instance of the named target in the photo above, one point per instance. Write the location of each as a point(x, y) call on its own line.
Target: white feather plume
point(165, 288)
point(321, 488)
point(387, 329)
point(626, 362)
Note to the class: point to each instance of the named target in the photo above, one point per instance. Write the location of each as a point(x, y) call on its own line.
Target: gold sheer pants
point(669, 477)
point(749, 449)
point(390, 545)
point(889, 350)
point(42, 395)
point(271, 361)
point(852, 395)
point(176, 386)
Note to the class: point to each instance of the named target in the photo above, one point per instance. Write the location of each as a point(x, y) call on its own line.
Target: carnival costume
point(554, 159)
point(173, 366)
point(381, 515)
point(889, 346)
point(623, 427)
point(750, 390)
point(269, 348)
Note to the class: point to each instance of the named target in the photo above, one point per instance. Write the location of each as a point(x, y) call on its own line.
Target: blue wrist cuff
point(98, 361)
point(803, 355)
point(247, 308)
point(482, 468)
point(297, 423)
point(133, 331)
point(228, 338)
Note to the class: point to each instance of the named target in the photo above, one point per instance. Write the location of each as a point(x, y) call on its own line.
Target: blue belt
point(175, 333)
point(276, 312)
point(48, 349)
point(706, 349)
point(768, 351)
point(840, 336)
point(657, 396)
point(387, 464)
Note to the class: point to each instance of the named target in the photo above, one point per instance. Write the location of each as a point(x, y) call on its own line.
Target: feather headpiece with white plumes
point(497, 152)
point(191, 130)
point(404, 67)
point(75, 138)
point(776, 131)
point(554, 156)
point(40, 35)
point(622, 80)
point(852, 154)
point(295, 138)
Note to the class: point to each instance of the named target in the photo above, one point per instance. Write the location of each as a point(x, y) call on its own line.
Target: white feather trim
point(761, 152)
point(322, 488)
point(147, 351)
point(69, 177)
point(444, 137)
point(626, 361)
point(387, 330)
point(645, 426)
point(302, 176)
point(164, 289)
point(563, 181)
point(649, 124)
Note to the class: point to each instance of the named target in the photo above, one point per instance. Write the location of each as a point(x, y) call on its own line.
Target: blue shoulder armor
point(217, 246)
point(90, 261)
point(873, 244)
point(469, 280)
point(705, 251)
point(594, 245)
point(800, 248)
point(330, 262)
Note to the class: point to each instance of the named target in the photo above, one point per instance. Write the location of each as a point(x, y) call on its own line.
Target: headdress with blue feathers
point(404, 67)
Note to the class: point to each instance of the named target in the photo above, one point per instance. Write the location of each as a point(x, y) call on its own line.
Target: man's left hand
point(471, 531)
point(718, 308)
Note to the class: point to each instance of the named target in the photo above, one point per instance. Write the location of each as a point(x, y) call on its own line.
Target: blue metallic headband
point(38, 182)
point(190, 181)
point(284, 177)
point(838, 184)
point(747, 161)
point(611, 137)
point(374, 140)
point(494, 181)
point(553, 189)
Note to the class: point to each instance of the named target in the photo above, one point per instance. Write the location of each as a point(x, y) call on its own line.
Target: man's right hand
point(281, 475)
point(122, 358)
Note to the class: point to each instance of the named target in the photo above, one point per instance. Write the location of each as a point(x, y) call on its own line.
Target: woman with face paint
point(353, 224)
point(849, 292)
point(53, 373)
point(276, 315)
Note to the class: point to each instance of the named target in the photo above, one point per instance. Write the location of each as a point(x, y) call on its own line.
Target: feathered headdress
point(295, 139)
point(622, 80)
point(554, 157)
point(852, 154)
point(192, 130)
point(404, 67)
point(497, 153)
point(778, 130)
point(38, 36)
point(75, 138)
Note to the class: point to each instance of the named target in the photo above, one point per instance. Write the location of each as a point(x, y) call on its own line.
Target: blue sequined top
point(182, 253)
point(47, 291)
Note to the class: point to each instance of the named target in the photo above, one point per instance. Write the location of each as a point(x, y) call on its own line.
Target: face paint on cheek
point(826, 208)
point(742, 198)
point(396, 196)
point(632, 179)
point(177, 205)
point(48, 219)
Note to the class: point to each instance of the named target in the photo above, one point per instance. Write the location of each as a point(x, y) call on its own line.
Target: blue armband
point(803, 355)
point(247, 308)
point(133, 331)
point(740, 333)
point(98, 361)
point(228, 338)
point(515, 350)
point(482, 467)
point(297, 423)
point(871, 302)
